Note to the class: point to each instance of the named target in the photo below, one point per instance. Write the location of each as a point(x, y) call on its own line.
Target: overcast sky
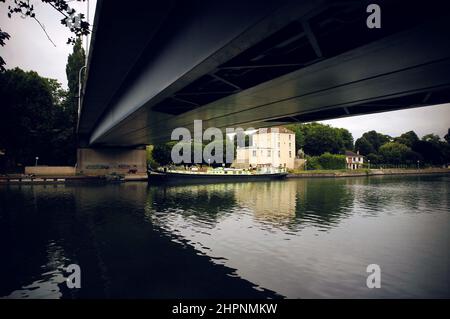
point(30, 49)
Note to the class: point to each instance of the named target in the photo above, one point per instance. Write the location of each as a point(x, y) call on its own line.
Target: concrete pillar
point(102, 161)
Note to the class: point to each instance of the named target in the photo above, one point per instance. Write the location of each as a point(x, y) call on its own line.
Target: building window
point(278, 144)
point(279, 154)
point(254, 153)
point(289, 145)
point(268, 153)
point(290, 154)
point(289, 137)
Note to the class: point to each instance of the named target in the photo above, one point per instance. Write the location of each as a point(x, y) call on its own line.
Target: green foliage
point(364, 146)
point(370, 142)
point(326, 161)
point(394, 153)
point(405, 149)
point(75, 62)
point(161, 153)
point(374, 158)
point(433, 152)
point(332, 161)
point(35, 122)
point(408, 138)
point(150, 160)
point(3, 36)
point(347, 139)
point(312, 163)
point(447, 136)
point(432, 138)
point(316, 138)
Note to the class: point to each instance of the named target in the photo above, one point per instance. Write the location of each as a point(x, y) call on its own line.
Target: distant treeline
point(316, 139)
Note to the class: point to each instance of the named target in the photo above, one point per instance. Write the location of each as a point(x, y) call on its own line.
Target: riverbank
point(367, 172)
point(51, 179)
point(67, 179)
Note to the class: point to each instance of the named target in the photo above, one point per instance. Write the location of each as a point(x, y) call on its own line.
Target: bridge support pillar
point(104, 161)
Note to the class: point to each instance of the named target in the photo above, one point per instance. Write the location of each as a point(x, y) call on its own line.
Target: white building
point(268, 147)
point(354, 160)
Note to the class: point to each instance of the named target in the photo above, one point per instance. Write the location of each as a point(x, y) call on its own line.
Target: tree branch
point(43, 28)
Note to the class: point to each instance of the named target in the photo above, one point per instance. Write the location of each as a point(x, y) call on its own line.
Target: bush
point(312, 162)
point(332, 161)
point(326, 161)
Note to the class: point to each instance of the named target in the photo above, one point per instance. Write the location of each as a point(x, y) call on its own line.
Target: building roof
point(276, 129)
point(350, 153)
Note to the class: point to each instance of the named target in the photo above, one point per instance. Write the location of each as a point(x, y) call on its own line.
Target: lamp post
point(85, 63)
point(418, 164)
point(35, 163)
point(368, 161)
point(79, 89)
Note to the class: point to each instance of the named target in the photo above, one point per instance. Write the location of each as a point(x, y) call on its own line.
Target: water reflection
point(105, 231)
point(296, 238)
point(311, 237)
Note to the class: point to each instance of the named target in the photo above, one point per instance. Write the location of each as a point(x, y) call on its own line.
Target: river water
point(298, 238)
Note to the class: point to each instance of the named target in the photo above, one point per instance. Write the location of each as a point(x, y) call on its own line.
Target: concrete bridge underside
point(159, 65)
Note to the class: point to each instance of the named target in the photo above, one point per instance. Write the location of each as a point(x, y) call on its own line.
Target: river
point(298, 238)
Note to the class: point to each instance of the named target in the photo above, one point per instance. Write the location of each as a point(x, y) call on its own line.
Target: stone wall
point(106, 161)
point(50, 170)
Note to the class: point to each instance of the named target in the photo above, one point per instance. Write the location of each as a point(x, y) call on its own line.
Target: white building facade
point(268, 147)
point(354, 160)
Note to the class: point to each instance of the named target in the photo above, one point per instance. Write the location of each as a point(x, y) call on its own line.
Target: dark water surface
point(302, 238)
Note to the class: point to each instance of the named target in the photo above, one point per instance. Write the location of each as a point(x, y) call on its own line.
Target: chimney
point(357, 152)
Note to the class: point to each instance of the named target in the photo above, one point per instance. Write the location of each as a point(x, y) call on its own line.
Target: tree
point(31, 118)
point(161, 154)
point(317, 138)
point(75, 62)
point(76, 23)
point(408, 138)
point(364, 146)
point(346, 137)
point(429, 151)
point(3, 36)
point(374, 158)
point(447, 136)
point(432, 138)
point(375, 139)
point(394, 153)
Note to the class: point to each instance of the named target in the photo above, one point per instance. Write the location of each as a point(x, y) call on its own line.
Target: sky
point(29, 49)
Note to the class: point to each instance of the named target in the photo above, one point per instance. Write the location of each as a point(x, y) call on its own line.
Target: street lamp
point(85, 62)
point(35, 163)
point(418, 163)
point(368, 161)
point(79, 89)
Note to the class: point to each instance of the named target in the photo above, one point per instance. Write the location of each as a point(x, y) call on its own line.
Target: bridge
point(157, 65)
